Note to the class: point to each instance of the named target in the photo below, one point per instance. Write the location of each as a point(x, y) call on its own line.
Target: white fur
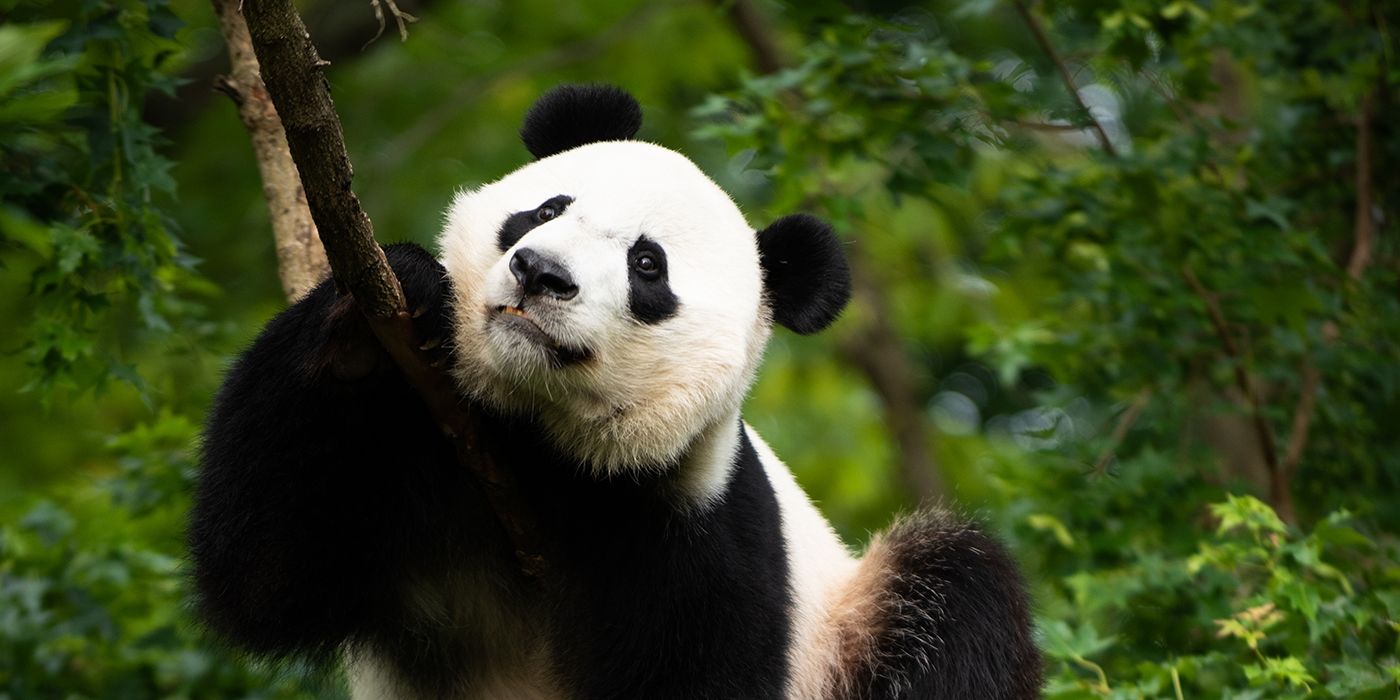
point(820, 569)
point(649, 390)
point(666, 395)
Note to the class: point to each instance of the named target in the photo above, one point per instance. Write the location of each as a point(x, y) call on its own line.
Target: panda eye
point(646, 264)
point(546, 212)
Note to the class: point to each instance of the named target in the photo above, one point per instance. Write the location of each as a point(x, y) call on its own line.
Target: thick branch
point(301, 261)
point(301, 95)
point(341, 29)
point(1033, 23)
point(291, 70)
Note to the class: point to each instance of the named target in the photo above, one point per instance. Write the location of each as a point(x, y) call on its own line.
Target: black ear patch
point(572, 115)
point(804, 271)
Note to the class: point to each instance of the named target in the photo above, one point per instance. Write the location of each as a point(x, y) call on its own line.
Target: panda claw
point(433, 344)
point(418, 313)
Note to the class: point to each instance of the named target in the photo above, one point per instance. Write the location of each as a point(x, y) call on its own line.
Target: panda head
point(614, 293)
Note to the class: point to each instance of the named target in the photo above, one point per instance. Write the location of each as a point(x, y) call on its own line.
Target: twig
point(1363, 229)
point(301, 261)
point(292, 72)
point(1044, 41)
point(401, 18)
point(429, 124)
point(1120, 431)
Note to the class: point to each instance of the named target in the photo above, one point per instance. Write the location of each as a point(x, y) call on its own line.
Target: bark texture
point(301, 261)
point(291, 71)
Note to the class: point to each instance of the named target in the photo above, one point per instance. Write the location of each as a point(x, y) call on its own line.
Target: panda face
point(614, 293)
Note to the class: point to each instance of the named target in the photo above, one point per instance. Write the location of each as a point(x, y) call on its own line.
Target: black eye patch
point(522, 222)
point(649, 294)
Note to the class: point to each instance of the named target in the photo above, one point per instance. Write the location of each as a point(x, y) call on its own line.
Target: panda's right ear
point(804, 272)
point(572, 115)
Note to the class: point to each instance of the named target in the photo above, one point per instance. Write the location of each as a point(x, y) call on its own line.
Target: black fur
point(649, 294)
point(330, 514)
point(520, 223)
point(957, 622)
point(322, 479)
point(570, 116)
point(328, 507)
point(804, 271)
point(652, 602)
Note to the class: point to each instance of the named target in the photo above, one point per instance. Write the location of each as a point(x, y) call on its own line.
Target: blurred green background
point(1128, 289)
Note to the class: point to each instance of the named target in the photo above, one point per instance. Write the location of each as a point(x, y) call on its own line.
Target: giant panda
point(604, 308)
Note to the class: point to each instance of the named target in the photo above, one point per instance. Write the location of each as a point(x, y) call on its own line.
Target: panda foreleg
point(324, 486)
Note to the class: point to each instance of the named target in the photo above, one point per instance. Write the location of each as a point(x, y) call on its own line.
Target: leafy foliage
point(1178, 286)
point(1106, 342)
point(90, 589)
point(82, 181)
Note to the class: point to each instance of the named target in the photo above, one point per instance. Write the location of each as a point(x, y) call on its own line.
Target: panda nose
point(538, 274)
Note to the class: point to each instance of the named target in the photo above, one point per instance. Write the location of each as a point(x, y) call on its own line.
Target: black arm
point(324, 484)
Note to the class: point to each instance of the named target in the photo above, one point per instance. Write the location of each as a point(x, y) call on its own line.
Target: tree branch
point(299, 91)
point(752, 28)
point(877, 351)
point(1033, 23)
point(1363, 241)
point(301, 261)
point(1364, 228)
point(1120, 431)
point(1280, 490)
point(340, 29)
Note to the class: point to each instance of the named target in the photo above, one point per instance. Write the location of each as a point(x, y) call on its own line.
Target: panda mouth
point(516, 319)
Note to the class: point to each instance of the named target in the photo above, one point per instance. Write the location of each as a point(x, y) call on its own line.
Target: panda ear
point(804, 272)
point(572, 115)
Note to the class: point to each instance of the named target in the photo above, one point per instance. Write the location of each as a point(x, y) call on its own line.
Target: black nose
point(538, 274)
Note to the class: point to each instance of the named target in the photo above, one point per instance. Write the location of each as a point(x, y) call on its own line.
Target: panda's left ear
point(804, 272)
point(569, 116)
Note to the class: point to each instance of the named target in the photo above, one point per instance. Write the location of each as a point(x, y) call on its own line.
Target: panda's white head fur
point(613, 292)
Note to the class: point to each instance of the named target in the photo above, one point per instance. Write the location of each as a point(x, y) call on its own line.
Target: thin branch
point(1120, 431)
point(1302, 420)
point(301, 261)
point(1364, 228)
point(292, 72)
point(1280, 494)
point(1363, 242)
point(1033, 23)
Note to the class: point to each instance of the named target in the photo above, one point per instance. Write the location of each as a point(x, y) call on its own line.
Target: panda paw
point(425, 289)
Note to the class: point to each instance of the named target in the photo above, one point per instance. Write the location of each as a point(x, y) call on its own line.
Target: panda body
point(605, 309)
